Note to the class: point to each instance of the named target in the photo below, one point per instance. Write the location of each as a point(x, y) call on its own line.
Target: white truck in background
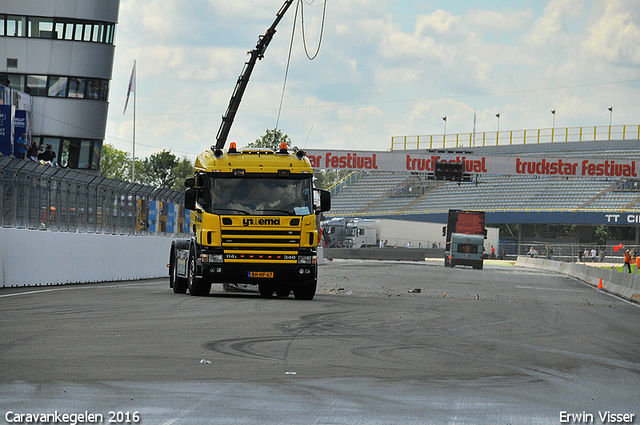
point(397, 233)
point(361, 233)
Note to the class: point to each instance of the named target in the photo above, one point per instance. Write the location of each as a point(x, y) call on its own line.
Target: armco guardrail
point(624, 285)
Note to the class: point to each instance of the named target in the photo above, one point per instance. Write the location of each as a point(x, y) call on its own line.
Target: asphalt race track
point(381, 343)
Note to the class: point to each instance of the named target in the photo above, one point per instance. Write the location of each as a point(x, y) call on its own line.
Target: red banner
point(474, 164)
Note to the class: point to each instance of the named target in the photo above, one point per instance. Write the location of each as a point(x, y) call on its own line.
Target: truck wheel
point(266, 290)
point(196, 286)
point(305, 292)
point(178, 284)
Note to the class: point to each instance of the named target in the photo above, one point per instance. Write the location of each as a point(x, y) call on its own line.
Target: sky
point(384, 68)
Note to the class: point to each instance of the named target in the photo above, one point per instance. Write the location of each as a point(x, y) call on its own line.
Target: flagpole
point(133, 158)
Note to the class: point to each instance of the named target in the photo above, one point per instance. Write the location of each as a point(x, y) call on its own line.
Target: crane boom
point(243, 80)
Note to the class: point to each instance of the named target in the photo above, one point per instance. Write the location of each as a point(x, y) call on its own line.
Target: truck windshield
point(259, 196)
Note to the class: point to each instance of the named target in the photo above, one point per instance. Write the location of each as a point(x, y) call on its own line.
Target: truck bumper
point(254, 274)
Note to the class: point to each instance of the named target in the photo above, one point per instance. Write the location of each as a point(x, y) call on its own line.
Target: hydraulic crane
point(243, 80)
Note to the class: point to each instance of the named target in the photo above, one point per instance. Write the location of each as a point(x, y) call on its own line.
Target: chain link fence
point(34, 195)
point(570, 252)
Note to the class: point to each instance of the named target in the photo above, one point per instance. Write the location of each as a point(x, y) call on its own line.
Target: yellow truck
point(254, 222)
point(253, 213)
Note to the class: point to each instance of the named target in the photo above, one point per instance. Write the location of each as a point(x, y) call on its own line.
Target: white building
point(61, 53)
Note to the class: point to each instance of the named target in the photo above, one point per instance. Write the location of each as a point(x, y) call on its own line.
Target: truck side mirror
point(325, 200)
point(444, 231)
point(189, 182)
point(190, 196)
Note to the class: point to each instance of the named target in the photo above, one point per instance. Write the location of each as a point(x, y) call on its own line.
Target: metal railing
point(40, 196)
point(346, 181)
point(515, 137)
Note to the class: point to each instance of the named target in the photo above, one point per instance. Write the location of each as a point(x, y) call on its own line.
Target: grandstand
point(381, 193)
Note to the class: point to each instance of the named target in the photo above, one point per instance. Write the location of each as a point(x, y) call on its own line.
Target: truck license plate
point(261, 274)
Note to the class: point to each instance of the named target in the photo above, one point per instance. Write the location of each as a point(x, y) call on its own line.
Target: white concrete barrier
point(34, 257)
point(624, 285)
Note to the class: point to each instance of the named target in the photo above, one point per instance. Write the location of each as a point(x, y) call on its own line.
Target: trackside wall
point(34, 257)
point(624, 285)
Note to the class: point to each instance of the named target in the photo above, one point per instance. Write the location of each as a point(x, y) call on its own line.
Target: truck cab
point(254, 223)
point(466, 250)
point(361, 234)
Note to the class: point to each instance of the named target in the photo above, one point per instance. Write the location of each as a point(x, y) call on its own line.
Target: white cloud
point(375, 77)
point(616, 34)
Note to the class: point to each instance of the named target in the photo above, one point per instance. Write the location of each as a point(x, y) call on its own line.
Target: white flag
point(132, 83)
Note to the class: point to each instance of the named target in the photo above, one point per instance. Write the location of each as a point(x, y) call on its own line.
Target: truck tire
point(179, 284)
point(305, 292)
point(197, 287)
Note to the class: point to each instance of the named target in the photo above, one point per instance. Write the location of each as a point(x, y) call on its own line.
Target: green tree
point(114, 163)
point(158, 170)
point(324, 179)
point(183, 170)
point(271, 140)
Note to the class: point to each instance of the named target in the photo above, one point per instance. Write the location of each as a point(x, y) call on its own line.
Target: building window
point(68, 30)
point(84, 157)
point(15, 81)
point(16, 26)
point(57, 87)
point(37, 85)
point(93, 89)
point(40, 27)
point(77, 153)
point(104, 90)
point(78, 31)
point(76, 88)
point(109, 38)
point(96, 154)
point(56, 28)
point(97, 33)
point(12, 63)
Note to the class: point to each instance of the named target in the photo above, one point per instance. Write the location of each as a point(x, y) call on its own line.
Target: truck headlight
point(307, 259)
point(211, 258)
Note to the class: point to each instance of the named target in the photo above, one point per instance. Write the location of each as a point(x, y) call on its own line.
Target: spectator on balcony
point(48, 155)
point(33, 151)
point(21, 146)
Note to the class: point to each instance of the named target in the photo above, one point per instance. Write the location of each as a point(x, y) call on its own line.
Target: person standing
point(34, 151)
point(627, 260)
point(21, 146)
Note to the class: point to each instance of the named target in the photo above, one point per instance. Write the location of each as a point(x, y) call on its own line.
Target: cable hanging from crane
point(300, 5)
point(304, 39)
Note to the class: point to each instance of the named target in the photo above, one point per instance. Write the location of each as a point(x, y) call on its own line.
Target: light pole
point(610, 115)
point(445, 124)
point(498, 130)
point(553, 125)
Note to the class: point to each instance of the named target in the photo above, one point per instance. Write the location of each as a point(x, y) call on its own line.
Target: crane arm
point(243, 80)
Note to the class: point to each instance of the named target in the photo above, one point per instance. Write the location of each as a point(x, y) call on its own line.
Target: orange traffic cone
point(600, 285)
